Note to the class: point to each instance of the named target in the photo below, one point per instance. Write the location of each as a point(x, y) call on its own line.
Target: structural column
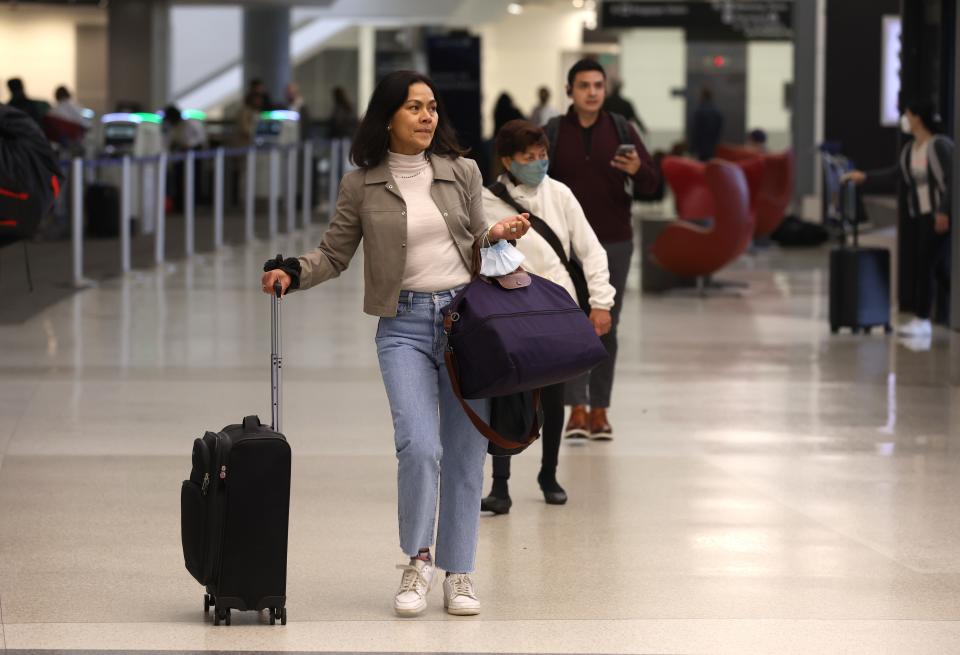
point(138, 46)
point(266, 48)
point(367, 53)
point(809, 49)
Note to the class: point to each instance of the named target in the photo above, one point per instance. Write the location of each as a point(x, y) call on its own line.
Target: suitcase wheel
point(208, 602)
point(888, 329)
point(273, 616)
point(221, 615)
point(283, 616)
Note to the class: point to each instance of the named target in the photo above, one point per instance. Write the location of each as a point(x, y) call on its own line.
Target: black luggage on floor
point(235, 511)
point(859, 282)
point(101, 209)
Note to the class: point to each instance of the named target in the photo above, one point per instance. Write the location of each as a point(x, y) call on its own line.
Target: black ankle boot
point(496, 504)
point(553, 493)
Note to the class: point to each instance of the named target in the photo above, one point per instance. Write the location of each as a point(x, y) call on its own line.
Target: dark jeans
point(552, 400)
point(595, 387)
point(933, 265)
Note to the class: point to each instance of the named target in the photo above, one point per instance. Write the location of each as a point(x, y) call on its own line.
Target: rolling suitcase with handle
point(859, 280)
point(234, 509)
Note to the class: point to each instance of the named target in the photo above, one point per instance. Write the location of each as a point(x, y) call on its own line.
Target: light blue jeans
point(439, 452)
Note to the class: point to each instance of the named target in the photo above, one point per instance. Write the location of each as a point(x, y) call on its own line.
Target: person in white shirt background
point(67, 109)
point(926, 168)
point(522, 149)
point(544, 111)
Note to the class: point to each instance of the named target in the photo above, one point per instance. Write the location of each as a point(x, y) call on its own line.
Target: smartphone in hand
point(625, 149)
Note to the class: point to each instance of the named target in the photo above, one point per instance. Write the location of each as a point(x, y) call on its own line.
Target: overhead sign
point(890, 82)
point(706, 20)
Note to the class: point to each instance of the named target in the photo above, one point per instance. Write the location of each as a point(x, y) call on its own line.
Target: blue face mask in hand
point(499, 259)
point(531, 173)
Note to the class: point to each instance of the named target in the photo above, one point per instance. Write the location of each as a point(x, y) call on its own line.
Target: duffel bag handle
point(251, 423)
point(482, 426)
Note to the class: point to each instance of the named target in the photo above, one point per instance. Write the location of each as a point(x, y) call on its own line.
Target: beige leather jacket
point(370, 207)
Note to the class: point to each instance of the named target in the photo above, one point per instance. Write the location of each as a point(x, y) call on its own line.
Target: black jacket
point(939, 173)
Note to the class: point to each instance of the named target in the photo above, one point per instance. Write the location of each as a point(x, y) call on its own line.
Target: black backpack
point(30, 176)
point(552, 130)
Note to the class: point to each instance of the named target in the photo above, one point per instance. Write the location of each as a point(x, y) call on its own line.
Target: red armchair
point(691, 250)
point(688, 182)
point(770, 180)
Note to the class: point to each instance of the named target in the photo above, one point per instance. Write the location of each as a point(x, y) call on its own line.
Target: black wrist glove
point(290, 266)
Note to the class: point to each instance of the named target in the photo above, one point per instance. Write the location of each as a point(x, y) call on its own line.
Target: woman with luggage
point(416, 204)
point(926, 167)
point(522, 149)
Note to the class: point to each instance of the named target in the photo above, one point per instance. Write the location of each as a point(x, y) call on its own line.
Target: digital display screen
point(119, 133)
point(890, 70)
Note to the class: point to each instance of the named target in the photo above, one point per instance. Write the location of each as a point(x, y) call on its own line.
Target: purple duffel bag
point(516, 333)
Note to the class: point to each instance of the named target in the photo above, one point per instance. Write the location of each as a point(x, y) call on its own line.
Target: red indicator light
point(719, 61)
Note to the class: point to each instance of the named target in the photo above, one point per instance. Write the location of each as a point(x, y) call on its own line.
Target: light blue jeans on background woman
point(439, 452)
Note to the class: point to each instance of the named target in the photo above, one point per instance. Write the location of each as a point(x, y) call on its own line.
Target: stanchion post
point(307, 193)
point(218, 200)
point(274, 198)
point(76, 195)
point(188, 208)
point(291, 200)
point(160, 237)
point(125, 201)
point(251, 194)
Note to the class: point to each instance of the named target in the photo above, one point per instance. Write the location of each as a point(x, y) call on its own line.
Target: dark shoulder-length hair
point(372, 140)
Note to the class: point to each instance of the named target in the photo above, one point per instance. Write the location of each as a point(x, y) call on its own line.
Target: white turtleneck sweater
point(433, 259)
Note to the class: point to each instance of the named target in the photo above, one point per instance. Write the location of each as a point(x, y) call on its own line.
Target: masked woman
point(926, 168)
point(522, 147)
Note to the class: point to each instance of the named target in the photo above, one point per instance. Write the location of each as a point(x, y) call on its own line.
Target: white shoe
point(917, 327)
point(459, 596)
point(417, 580)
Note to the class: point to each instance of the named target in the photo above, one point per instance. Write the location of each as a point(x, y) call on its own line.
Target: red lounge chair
point(688, 249)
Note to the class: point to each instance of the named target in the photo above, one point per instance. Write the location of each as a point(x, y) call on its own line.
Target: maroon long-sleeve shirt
point(582, 162)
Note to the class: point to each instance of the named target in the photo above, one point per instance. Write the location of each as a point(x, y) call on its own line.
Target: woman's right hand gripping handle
point(272, 277)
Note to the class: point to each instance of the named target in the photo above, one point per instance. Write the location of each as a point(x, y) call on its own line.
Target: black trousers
point(933, 265)
point(595, 387)
point(552, 400)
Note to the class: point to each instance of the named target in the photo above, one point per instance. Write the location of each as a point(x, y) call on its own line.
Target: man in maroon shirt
point(591, 154)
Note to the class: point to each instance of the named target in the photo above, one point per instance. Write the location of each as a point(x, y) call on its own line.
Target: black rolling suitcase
point(235, 508)
point(101, 207)
point(859, 281)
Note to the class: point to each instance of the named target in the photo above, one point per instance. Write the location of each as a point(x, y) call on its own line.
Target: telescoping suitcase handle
point(276, 358)
point(850, 210)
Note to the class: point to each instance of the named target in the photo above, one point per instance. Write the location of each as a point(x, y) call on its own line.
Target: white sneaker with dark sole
point(417, 580)
point(459, 595)
point(917, 327)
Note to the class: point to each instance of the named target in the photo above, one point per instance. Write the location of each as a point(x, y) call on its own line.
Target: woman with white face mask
point(522, 149)
point(926, 167)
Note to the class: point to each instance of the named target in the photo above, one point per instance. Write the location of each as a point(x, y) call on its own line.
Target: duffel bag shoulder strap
point(500, 190)
point(482, 426)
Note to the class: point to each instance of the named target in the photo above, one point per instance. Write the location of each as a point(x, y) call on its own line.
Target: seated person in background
point(66, 109)
point(757, 141)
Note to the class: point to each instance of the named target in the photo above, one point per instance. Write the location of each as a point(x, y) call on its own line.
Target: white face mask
point(905, 125)
point(500, 259)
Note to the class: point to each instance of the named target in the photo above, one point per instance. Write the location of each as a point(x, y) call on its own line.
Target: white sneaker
point(917, 327)
point(459, 596)
point(417, 580)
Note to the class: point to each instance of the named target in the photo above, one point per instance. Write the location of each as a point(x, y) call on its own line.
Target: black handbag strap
point(500, 190)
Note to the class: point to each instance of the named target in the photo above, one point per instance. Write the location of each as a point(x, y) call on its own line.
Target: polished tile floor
point(771, 488)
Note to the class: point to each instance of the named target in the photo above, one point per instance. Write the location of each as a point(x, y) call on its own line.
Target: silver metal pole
point(251, 194)
point(218, 200)
point(125, 198)
point(291, 200)
point(188, 208)
point(76, 194)
point(307, 192)
point(274, 198)
point(159, 239)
